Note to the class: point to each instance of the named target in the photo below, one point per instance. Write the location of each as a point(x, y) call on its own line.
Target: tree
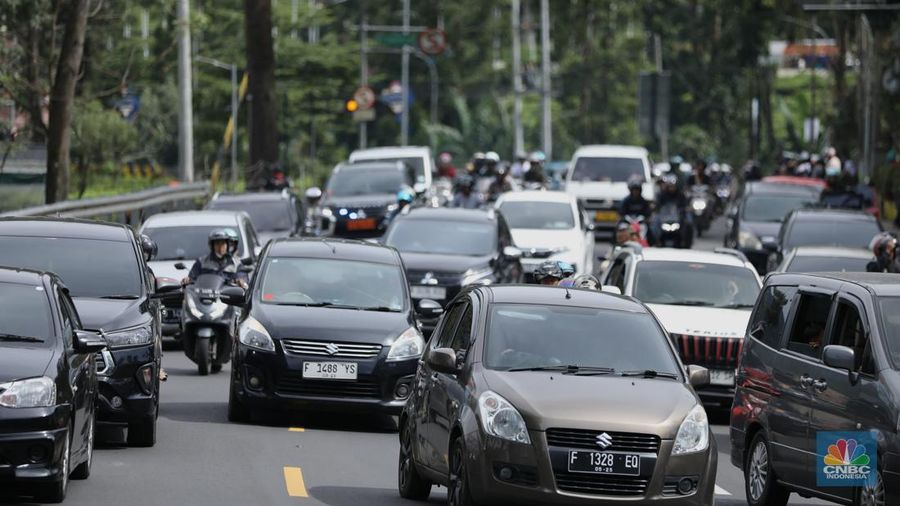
point(263, 103)
point(102, 137)
point(62, 96)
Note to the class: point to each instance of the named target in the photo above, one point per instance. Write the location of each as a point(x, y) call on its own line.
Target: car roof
point(537, 196)
point(691, 256)
point(611, 150)
point(65, 227)
point(831, 251)
point(882, 284)
point(796, 181)
point(386, 151)
point(373, 165)
point(340, 249)
point(22, 276)
point(250, 197)
point(448, 214)
point(559, 296)
point(194, 219)
point(827, 214)
point(770, 188)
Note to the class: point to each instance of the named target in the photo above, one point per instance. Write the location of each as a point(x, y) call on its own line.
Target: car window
point(252, 240)
point(269, 216)
point(849, 331)
point(773, 208)
point(696, 284)
point(607, 169)
point(831, 232)
point(890, 327)
point(448, 331)
point(26, 313)
point(808, 333)
point(69, 311)
point(616, 275)
point(349, 183)
point(183, 242)
point(827, 264)
point(539, 215)
point(463, 333)
point(443, 237)
point(772, 314)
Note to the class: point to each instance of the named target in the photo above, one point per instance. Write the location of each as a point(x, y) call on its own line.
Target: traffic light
point(351, 105)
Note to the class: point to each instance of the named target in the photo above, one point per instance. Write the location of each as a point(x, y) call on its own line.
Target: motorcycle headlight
point(480, 277)
point(671, 227)
point(747, 240)
point(129, 337)
point(410, 344)
point(693, 435)
point(253, 334)
point(500, 419)
point(326, 212)
point(29, 393)
point(698, 205)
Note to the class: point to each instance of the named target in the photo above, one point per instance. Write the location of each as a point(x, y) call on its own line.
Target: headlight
point(29, 393)
point(500, 419)
point(480, 277)
point(392, 207)
point(253, 334)
point(326, 212)
point(130, 337)
point(671, 227)
point(747, 240)
point(409, 344)
point(698, 205)
point(218, 309)
point(693, 435)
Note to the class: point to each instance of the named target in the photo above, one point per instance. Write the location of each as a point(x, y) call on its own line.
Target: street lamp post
point(234, 110)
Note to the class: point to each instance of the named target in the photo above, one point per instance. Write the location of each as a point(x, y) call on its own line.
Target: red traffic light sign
point(364, 97)
point(433, 41)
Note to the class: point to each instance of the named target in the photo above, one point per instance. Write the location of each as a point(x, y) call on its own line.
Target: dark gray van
point(821, 357)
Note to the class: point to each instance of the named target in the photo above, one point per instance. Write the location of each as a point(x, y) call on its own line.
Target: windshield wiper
point(316, 304)
point(650, 373)
point(567, 369)
point(383, 309)
point(119, 297)
point(689, 303)
point(24, 339)
point(736, 305)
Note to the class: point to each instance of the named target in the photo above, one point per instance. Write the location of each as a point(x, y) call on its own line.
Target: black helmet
point(548, 269)
point(465, 181)
point(219, 234)
point(148, 247)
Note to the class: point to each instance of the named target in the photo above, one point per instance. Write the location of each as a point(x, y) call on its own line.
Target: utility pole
point(363, 66)
point(812, 88)
point(519, 134)
point(404, 80)
point(185, 105)
point(664, 132)
point(547, 121)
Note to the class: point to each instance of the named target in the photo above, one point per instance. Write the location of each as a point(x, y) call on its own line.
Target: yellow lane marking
point(293, 480)
point(296, 429)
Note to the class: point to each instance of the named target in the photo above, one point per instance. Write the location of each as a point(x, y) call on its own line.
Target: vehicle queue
point(415, 320)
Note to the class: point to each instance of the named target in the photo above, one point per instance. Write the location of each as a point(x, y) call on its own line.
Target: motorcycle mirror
point(180, 266)
point(247, 261)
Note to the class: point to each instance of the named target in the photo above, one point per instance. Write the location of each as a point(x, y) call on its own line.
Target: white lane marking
point(721, 491)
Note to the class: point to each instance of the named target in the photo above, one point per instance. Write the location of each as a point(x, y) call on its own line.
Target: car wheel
point(237, 412)
point(761, 486)
point(201, 355)
point(215, 368)
point(409, 482)
point(458, 493)
point(143, 433)
point(872, 495)
point(83, 471)
point(56, 493)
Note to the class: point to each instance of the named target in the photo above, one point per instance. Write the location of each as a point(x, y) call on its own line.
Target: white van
point(417, 157)
point(598, 176)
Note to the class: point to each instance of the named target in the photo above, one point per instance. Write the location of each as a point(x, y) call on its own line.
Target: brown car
point(547, 395)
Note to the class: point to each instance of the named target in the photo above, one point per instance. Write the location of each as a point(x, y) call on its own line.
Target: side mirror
point(443, 360)
point(611, 289)
point(149, 247)
point(180, 266)
point(589, 227)
point(166, 285)
point(85, 341)
point(839, 357)
point(233, 296)
point(256, 251)
point(429, 309)
point(512, 252)
point(698, 376)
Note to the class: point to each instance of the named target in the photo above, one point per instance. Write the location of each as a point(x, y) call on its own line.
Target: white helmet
point(492, 156)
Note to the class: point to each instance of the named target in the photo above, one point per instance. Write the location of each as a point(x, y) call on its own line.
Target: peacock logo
point(846, 459)
point(846, 452)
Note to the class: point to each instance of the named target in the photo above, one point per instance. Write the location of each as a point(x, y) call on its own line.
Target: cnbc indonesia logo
point(847, 459)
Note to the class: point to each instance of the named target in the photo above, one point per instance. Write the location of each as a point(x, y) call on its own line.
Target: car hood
point(166, 268)
point(110, 315)
point(613, 403)
point(358, 201)
point(526, 238)
point(337, 325)
point(265, 237)
point(702, 321)
point(443, 263)
point(20, 362)
point(767, 231)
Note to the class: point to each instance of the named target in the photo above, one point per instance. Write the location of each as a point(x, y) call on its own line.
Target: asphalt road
point(202, 459)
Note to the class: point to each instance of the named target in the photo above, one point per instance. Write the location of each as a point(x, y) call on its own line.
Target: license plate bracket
point(721, 377)
point(606, 216)
point(611, 463)
point(428, 292)
point(331, 370)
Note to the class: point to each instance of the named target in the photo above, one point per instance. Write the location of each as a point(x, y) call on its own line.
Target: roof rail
point(733, 252)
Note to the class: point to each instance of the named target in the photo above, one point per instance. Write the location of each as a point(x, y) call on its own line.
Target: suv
point(703, 299)
point(598, 176)
point(417, 157)
point(824, 227)
point(822, 355)
point(274, 214)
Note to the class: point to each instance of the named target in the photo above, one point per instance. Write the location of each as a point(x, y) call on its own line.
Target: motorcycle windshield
point(669, 213)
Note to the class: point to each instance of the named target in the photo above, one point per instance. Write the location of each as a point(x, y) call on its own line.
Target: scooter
point(675, 231)
point(208, 325)
point(702, 207)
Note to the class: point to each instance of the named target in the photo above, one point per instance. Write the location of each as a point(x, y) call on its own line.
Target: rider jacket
point(224, 266)
point(635, 206)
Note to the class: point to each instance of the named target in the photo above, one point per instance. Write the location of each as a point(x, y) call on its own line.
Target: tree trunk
point(62, 98)
point(261, 69)
point(34, 91)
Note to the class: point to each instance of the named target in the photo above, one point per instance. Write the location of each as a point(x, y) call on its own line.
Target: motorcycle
point(638, 222)
point(674, 231)
point(208, 324)
point(702, 205)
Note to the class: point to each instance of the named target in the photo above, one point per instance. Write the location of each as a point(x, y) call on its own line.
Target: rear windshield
point(539, 215)
point(89, 268)
point(349, 183)
point(415, 165)
point(610, 170)
point(26, 314)
point(182, 243)
point(274, 216)
point(827, 264)
point(774, 209)
point(832, 232)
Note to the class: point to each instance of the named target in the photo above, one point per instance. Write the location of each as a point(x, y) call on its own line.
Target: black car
point(445, 250)
point(360, 197)
point(103, 266)
point(48, 387)
point(823, 227)
point(755, 219)
point(327, 324)
point(820, 368)
point(274, 214)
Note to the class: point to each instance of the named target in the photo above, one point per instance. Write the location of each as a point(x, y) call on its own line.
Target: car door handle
point(820, 385)
point(806, 381)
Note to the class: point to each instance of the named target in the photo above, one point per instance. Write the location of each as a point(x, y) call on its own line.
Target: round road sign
point(433, 41)
point(365, 97)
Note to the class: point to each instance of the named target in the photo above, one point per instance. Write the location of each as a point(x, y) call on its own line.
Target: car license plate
point(722, 377)
point(428, 292)
point(330, 370)
point(606, 216)
point(605, 463)
point(364, 224)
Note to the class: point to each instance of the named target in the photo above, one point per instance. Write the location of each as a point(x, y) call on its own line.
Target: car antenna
point(326, 243)
point(568, 295)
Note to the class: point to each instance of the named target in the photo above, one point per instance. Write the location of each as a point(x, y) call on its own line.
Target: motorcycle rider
point(491, 161)
point(466, 196)
point(699, 177)
point(219, 261)
point(670, 195)
point(500, 184)
point(445, 166)
point(884, 247)
point(548, 273)
point(635, 204)
point(404, 200)
point(535, 172)
point(837, 194)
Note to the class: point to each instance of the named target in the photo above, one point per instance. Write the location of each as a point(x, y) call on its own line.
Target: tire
point(56, 492)
point(872, 496)
point(760, 484)
point(83, 471)
point(215, 368)
point(142, 434)
point(458, 492)
point(237, 412)
point(201, 355)
point(409, 482)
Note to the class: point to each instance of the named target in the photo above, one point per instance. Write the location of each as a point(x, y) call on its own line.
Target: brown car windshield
point(522, 336)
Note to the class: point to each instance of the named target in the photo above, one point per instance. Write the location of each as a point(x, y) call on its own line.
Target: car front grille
point(329, 349)
point(709, 352)
point(587, 439)
point(582, 483)
point(294, 384)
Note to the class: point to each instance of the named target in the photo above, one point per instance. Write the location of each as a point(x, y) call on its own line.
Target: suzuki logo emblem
point(361, 214)
point(429, 279)
point(604, 441)
point(332, 349)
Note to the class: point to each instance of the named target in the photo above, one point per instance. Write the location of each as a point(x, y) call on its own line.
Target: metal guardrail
point(121, 208)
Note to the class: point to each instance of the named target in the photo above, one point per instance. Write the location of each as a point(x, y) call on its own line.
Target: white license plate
point(330, 370)
point(722, 377)
point(428, 292)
